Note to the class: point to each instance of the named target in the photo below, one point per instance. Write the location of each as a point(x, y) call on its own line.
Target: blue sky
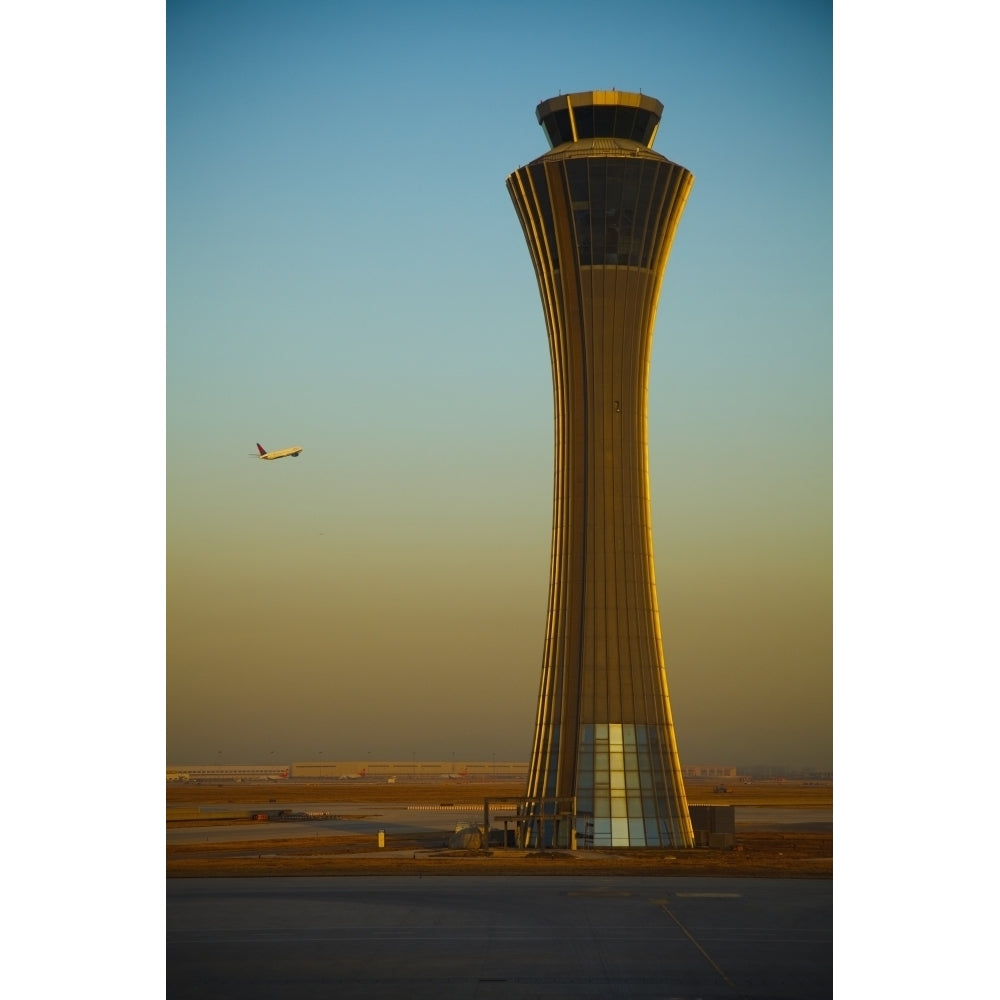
point(345, 272)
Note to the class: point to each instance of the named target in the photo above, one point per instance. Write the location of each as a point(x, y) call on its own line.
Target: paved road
point(502, 937)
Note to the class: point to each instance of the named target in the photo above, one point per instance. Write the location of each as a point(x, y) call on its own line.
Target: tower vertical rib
point(599, 211)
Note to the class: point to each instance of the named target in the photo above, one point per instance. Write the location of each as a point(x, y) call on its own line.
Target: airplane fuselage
point(270, 456)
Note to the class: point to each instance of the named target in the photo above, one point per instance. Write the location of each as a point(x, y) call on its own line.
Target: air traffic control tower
point(599, 211)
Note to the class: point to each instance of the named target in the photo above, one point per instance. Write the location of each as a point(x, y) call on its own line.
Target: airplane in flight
point(271, 455)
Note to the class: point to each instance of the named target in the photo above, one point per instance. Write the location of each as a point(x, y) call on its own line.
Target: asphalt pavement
point(440, 937)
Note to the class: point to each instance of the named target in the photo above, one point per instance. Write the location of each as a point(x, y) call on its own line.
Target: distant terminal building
point(709, 771)
point(775, 772)
point(434, 769)
point(228, 772)
point(379, 770)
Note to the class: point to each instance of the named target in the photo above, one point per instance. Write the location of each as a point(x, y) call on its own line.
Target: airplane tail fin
point(260, 449)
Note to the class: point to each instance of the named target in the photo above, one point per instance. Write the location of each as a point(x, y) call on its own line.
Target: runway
point(511, 937)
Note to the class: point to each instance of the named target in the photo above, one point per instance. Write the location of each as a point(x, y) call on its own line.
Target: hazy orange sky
point(346, 273)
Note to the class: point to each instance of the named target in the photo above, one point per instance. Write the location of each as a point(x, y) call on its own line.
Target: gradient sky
point(345, 272)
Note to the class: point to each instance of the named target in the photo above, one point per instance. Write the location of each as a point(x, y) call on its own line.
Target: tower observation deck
point(599, 211)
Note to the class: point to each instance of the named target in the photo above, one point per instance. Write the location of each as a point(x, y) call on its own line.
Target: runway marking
point(709, 895)
point(708, 958)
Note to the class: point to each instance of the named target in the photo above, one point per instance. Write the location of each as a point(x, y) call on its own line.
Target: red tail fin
point(260, 449)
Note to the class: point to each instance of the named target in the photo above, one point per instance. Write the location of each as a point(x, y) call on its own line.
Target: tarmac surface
point(441, 937)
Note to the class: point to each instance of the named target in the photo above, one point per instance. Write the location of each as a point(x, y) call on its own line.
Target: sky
point(345, 272)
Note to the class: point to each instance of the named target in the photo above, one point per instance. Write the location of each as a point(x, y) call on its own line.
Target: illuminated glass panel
point(616, 782)
point(602, 832)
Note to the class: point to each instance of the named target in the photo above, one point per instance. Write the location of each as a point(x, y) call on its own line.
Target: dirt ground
point(778, 852)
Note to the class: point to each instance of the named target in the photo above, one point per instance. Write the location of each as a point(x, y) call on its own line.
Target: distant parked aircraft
point(271, 455)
